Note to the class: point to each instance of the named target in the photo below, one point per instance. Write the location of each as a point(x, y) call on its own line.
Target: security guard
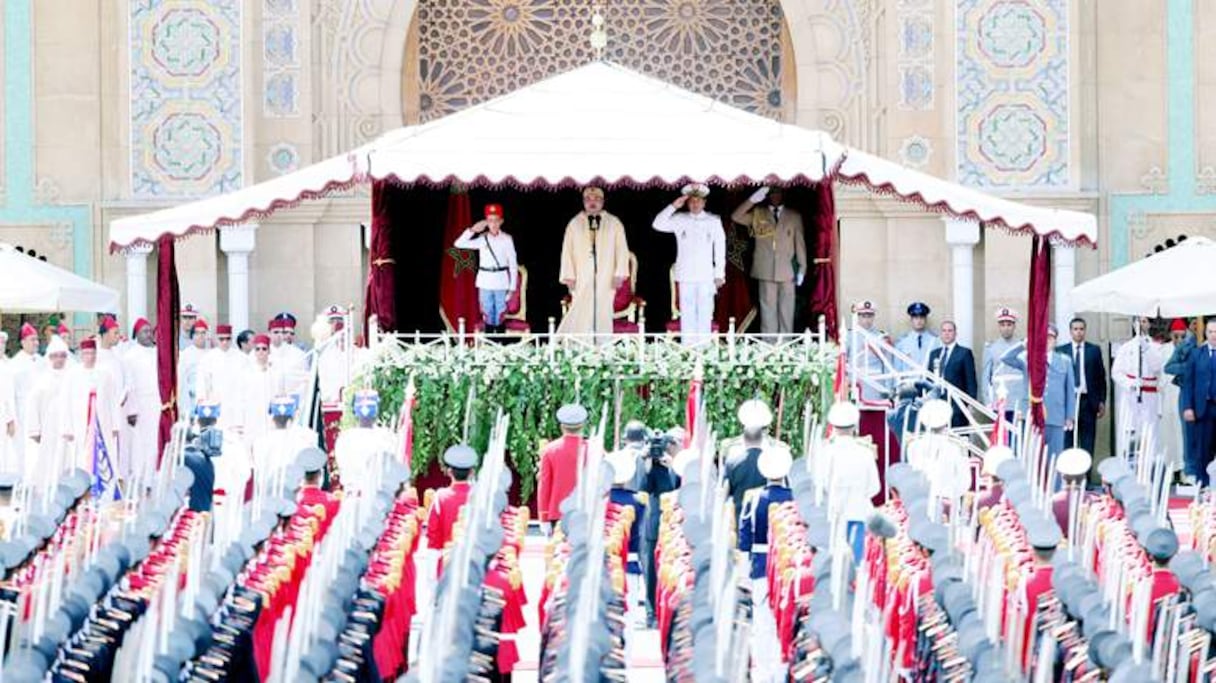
point(919, 342)
point(997, 373)
point(458, 463)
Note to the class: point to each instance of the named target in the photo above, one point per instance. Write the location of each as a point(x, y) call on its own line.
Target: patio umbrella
point(1172, 283)
point(30, 285)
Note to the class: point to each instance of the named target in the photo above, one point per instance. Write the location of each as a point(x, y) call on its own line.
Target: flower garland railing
point(460, 380)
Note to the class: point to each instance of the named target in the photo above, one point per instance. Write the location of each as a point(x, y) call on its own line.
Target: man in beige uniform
point(595, 261)
point(779, 261)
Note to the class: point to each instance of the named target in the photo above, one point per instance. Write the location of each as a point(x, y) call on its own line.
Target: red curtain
point(167, 306)
point(824, 261)
point(1036, 325)
point(382, 268)
point(735, 297)
point(458, 267)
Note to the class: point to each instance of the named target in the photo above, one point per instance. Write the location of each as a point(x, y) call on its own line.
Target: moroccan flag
point(104, 481)
point(458, 268)
point(690, 411)
point(734, 299)
point(840, 385)
point(998, 427)
point(167, 309)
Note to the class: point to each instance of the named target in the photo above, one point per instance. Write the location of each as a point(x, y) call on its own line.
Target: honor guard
point(1160, 544)
point(559, 465)
point(850, 474)
point(997, 373)
point(941, 458)
point(312, 497)
point(458, 464)
point(624, 475)
point(360, 452)
point(919, 342)
point(991, 486)
point(742, 452)
point(277, 448)
point(1044, 536)
point(1136, 371)
point(753, 543)
point(865, 358)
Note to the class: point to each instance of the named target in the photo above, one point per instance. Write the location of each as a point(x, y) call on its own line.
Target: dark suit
point(1198, 394)
point(1090, 374)
point(959, 370)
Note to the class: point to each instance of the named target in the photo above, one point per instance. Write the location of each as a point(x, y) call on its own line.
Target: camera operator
point(202, 446)
point(909, 397)
point(654, 477)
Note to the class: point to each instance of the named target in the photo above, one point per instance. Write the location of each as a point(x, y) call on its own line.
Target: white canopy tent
point(1173, 283)
point(607, 124)
point(31, 285)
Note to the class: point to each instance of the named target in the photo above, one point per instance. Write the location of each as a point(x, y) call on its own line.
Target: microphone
point(593, 221)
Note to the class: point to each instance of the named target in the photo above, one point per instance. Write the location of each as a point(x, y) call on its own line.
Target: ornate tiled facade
point(280, 59)
point(1012, 76)
point(186, 118)
point(916, 55)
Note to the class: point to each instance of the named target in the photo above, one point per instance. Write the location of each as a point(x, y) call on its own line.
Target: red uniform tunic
point(558, 475)
point(445, 510)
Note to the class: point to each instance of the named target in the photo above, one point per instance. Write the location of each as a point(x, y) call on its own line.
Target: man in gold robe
point(595, 261)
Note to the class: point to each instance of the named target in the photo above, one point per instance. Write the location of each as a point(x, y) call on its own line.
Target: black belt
point(493, 270)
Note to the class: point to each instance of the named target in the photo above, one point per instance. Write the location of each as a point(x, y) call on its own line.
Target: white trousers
point(1134, 417)
point(696, 312)
point(767, 666)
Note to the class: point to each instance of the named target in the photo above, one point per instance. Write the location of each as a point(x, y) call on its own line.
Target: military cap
point(1131, 672)
point(207, 409)
point(8, 480)
point(138, 548)
point(76, 608)
point(1017, 491)
point(1073, 462)
point(181, 643)
point(1203, 601)
point(12, 554)
point(971, 640)
point(775, 461)
point(932, 537)
point(311, 459)
point(935, 414)
point(366, 403)
point(1113, 651)
point(25, 666)
point(286, 508)
point(994, 456)
point(1111, 469)
point(283, 406)
point(635, 432)
point(80, 481)
point(572, 415)
point(1184, 562)
point(1010, 470)
point(843, 415)
point(1137, 506)
point(918, 309)
point(1044, 535)
point(864, 307)
point(1005, 314)
point(695, 190)
point(754, 414)
point(881, 526)
point(460, 456)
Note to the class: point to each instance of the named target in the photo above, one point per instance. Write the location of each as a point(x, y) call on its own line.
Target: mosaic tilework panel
point(473, 50)
point(1012, 70)
point(915, 58)
point(186, 120)
point(280, 59)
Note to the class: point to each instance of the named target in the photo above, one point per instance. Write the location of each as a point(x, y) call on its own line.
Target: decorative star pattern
point(462, 260)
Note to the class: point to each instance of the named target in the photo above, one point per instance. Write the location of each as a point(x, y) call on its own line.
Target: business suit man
point(1199, 403)
point(1059, 397)
point(956, 364)
point(1090, 375)
point(779, 261)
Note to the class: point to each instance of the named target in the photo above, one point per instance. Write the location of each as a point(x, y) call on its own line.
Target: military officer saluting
point(919, 342)
point(774, 464)
point(779, 261)
point(997, 373)
point(458, 463)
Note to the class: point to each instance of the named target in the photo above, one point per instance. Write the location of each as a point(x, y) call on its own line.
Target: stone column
point(137, 283)
point(237, 243)
point(1063, 279)
point(962, 236)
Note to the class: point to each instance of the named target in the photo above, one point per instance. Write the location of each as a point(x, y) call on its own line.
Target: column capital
point(141, 249)
point(962, 232)
point(238, 239)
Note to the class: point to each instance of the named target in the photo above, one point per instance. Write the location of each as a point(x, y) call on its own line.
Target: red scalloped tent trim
point(943, 207)
point(255, 213)
point(567, 182)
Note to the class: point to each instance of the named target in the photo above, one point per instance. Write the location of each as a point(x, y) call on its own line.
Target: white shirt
point(110, 361)
point(360, 453)
point(493, 252)
point(852, 479)
point(220, 372)
point(700, 244)
point(944, 463)
point(291, 362)
point(24, 369)
point(1138, 363)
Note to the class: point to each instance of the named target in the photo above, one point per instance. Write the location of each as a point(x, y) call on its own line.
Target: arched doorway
point(462, 52)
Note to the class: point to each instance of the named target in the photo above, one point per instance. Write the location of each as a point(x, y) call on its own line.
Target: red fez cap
point(493, 210)
point(139, 325)
point(89, 343)
point(261, 340)
point(108, 323)
point(274, 324)
point(1179, 325)
point(200, 324)
point(223, 330)
point(28, 330)
point(63, 329)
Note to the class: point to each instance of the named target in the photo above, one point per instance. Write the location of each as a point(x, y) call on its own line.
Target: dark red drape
point(823, 227)
point(735, 297)
point(1036, 325)
point(458, 267)
point(167, 306)
point(381, 267)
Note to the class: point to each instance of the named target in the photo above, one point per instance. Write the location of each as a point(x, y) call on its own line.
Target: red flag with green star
point(458, 268)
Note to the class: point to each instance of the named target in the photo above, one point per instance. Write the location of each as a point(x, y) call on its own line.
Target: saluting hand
point(569, 284)
point(680, 201)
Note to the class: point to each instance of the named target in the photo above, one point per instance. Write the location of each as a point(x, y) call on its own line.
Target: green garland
point(529, 383)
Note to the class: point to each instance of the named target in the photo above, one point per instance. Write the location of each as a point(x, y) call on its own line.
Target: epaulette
point(642, 497)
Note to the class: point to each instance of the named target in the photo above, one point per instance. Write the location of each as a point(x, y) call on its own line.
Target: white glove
point(798, 280)
point(758, 196)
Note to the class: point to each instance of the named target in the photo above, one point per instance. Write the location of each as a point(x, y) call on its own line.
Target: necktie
point(776, 213)
point(946, 357)
point(920, 340)
point(1078, 367)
